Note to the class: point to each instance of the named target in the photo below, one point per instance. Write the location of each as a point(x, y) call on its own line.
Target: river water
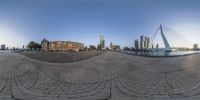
point(162, 54)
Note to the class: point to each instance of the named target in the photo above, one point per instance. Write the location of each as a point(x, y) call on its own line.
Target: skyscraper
point(144, 42)
point(3, 47)
point(23, 47)
point(102, 42)
point(111, 44)
point(195, 47)
point(136, 42)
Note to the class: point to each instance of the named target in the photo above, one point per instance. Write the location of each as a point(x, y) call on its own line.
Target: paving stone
point(109, 76)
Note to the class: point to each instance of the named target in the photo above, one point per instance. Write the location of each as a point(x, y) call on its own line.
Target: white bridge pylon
point(166, 43)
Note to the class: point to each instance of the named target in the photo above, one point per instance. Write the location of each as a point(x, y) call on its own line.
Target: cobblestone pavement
point(110, 76)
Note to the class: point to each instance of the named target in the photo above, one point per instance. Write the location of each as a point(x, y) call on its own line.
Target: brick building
point(61, 45)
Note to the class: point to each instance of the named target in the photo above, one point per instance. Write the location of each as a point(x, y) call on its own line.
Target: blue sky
point(120, 21)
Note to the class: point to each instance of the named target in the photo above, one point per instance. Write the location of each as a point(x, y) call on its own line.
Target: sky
point(120, 21)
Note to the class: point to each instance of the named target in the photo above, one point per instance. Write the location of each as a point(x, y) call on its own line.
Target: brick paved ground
point(110, 76)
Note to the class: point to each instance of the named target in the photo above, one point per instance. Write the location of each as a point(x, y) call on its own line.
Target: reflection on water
point(2, 51)
point(161, 54)
point(151, 54)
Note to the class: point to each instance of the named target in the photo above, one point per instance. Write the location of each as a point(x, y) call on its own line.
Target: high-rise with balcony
point(144, 42)
point(102, 42)
point(3, 47)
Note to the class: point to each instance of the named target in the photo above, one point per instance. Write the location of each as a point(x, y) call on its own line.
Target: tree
point(34, 45)
point(99, 47)
point(31, 45)
point(126, 48)
point(38, 46)
point(92, 47)
point(86, 48)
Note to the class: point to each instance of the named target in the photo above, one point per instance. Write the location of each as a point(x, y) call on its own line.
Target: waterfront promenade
point(109, 76)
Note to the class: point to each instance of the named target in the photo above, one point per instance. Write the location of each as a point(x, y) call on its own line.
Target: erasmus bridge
point(168, 39)
point(167, 47)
